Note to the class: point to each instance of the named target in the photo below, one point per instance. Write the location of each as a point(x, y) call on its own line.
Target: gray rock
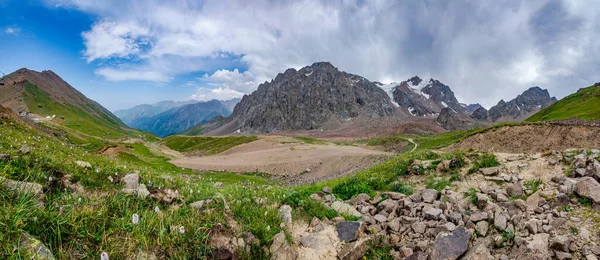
point(83, 164)
point(538, 246)
point(482, 200)
point(429, 195)
point(450, 246)
point(432, 214)
point(562, 255)
point(24, 150)
point(218, 185)
point(455, 217)
point(419, 227)
point(479, 251)
point(4, 157)
point(355, 250)
point(142, 191)
point(197, 205)
point(132, 181)
point(316, 241)
point(380, 218)
point(417, 256)
point(561, 243)
point(349, 230)
point(500, 221)
point(491, 171)
point(478, 216)
point(33, 248)
point(345, 208)
point(285, 214)
point(515, 190)
point(588, 187)
point(281, 249)
point(559, 200)
point(23, 187)
point(482, 227)
point(327, 190)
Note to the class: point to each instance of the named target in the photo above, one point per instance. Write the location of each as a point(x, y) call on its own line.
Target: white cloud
point(206, 94)
point(485, 50)
point(12, 30)
point(123, 75)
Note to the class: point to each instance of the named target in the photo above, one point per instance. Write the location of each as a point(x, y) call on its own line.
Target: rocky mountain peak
point(524, 105)
point(415, 81)
point(422, 98)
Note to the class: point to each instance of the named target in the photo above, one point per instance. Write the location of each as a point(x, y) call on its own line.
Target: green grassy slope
point(205, 145)
point(584, 104)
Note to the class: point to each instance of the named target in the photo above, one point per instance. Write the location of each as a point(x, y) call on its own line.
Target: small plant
point(437, 183)
point(507, 237)
point(402, 188)
point(472, 195)
point(350, 217)
point(574, 230)
point(455, 176)
point(533, 185)
point(485, 160)
point(351, 187)
point(585, 202)
point(567, 208)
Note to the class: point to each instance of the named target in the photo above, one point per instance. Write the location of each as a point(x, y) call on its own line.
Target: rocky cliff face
point(422, 98)
point(471, 108)
point(523, 106)
point(308, 98)
point(450, 120)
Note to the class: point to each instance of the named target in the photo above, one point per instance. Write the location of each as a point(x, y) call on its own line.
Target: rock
point(588, 187)
point(429, 195)
point(316, 241)
point(479, 251)
point(559, 200)
point(482, 227)
point(417, 256)
point(419, 227)
point(23, 187)
point(455, 217)
point(361, 198)
point(218, 185)
point(515, 190)
point(24, 150)
point(33, 248)
point(394, 195)
point(482, 200)
point(285, 214)
point(327, 190)
point(432, 214)
point(490, 171)
point(83, 164)
point(281, 249)
point(355, 250)
point(380, 218)
point(500, 221)
point(538, 246)
point(561, 243)
point(344, 208)
point(197, 205)
point(349, 230)
point(142, 191)
point(449, 246)
point(478, 216)
point(4, 157)
point(562, 255)
point(132, 181)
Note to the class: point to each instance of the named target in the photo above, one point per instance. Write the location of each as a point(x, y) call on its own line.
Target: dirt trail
point(410, 140)
point(288, 159)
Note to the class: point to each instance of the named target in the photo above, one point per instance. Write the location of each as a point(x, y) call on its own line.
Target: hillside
point(180, 119)
point(49, 99)
point(584, 105)
point(148, 110)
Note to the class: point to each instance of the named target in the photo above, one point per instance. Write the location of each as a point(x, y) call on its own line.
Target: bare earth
point(288, 159)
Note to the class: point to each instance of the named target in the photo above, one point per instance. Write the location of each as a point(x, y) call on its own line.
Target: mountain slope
point(44, 94)
point(180, 119)
point(148, 110)
point(420, 98)
point(583, 105)
point(309, 98)
point(521, 107)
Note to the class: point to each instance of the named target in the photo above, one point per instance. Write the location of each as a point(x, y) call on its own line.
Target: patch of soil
point(532, 138)
point(288, 159)
point(112, 151)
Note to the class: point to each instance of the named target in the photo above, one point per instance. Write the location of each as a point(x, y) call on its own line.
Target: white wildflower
point(181, 230)
point(110, 178)
point(269, 228)
point(135, 219)
point(79, 200)
point(104, 256)
point(265, 213)
point(156, 209)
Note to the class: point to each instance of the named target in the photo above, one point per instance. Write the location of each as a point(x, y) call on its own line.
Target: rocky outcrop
point(308, 98)
point(421, 98)
point(523, 106)
point(450, 120)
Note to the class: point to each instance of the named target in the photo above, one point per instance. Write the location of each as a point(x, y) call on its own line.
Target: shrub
point(484, 161)
point(351, 187)
point(402, 188)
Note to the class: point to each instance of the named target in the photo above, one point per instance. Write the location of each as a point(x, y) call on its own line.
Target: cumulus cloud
point(121, 75)
point(206, 94)
point(485, 50)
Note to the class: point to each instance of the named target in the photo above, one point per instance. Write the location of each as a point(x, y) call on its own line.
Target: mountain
point(450, 120)
point(582, 105)
point(180, 119)
point(148, 110)
point(47, 98)
point(471, 108)
point(230, 104)
point(523, 106)
point(423, 98)
point(309, 98)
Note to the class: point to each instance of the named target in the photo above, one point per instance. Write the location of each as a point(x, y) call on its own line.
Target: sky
point(122, 53)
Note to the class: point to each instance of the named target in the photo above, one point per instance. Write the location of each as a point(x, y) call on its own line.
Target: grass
point(583, 105)
point(437, 183)
point(484, 161)
point(205, 145)
point(472, 195)
point(309, 140)
point(533, 185)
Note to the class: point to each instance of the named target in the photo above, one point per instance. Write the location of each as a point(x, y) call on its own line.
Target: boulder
point(132, 181)
point(538, 246)
point(281, 249)
point(490, 171)
point(4, 157)
point(33, 248)
point(355, 250)
point(482, 227)
point(197, 205)
point(23, 187)
point(327, 190)
point(588, 187)
point(429, 195)
point(349, 230)
point(345, 208)
point(285, 214)
point(24, 150)
point(478, 216)
point(515, 190)
point(83, 164)
point(450, 246)
point(561, 243)
point(432, 214)
point(318, 240)
point(479, 251)
point(142, 191)
point(559, 201)
point(417, 256)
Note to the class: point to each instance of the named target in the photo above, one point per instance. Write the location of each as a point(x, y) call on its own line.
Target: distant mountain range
point(170, 117)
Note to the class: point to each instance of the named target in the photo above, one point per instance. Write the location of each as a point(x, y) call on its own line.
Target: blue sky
point(126, 52)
